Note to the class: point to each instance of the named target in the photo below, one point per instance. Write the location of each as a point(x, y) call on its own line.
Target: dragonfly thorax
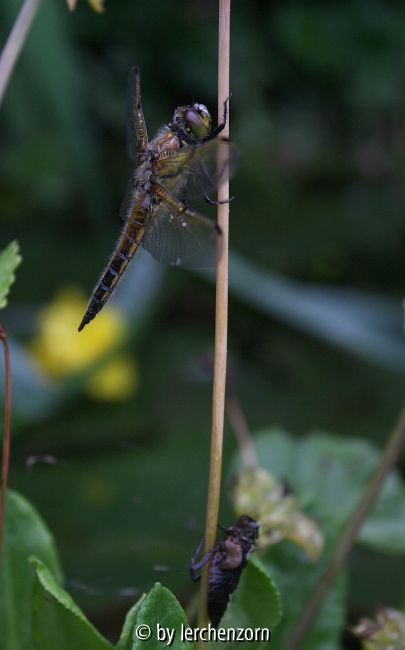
point(194, 120)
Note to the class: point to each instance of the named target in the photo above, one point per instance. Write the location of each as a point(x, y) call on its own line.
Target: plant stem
point(15, 42)
point(221, 322)
point(241, 430)
point(391, 453)
point(6, 432)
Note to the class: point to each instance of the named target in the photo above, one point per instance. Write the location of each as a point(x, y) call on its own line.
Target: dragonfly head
point(195, 120)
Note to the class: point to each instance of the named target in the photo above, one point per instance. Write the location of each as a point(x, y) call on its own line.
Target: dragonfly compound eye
point(198, 121)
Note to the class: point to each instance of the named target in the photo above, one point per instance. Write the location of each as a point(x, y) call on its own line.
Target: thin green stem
point(6, 433)
point(15, 42)
point(241, 431)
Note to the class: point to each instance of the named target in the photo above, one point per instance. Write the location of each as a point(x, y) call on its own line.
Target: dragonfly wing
point(186, 238)
point(137, 135)
point(195, 171)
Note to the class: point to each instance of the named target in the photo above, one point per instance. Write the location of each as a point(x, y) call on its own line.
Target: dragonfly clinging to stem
point(186, 157)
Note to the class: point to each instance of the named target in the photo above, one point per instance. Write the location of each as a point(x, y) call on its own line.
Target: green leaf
point(256, 602)
point(24, 533)
point(9, 260)
point(158, 609)
point(57, 621)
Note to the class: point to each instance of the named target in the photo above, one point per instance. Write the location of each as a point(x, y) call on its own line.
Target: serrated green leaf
point(256, 603)
point(158, 609)
point(24, 533)
point(9, 260)
point(57, 620)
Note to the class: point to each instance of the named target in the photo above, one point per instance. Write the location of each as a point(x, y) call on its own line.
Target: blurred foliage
point(327, 474)
point(318, 226)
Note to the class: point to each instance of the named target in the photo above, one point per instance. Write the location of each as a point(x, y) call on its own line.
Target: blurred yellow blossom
point(264, 498)
point(116, 380)
point(96, 5)
point(62, 351)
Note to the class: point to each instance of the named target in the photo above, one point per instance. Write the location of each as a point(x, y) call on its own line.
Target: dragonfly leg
point(220, 126)
point(180, 207)
point(226, 103)
point(197, 565)
point(213, 202)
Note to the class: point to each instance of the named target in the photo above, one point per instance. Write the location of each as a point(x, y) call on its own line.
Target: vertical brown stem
point(221, 321)
point(241, 430)
point(6, 432)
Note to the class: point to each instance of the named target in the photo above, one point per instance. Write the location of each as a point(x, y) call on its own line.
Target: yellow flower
point(62, 351)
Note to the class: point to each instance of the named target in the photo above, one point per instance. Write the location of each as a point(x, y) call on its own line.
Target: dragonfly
point(185, 158)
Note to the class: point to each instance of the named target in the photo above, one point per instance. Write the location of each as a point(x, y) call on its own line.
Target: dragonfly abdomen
point(127, 245)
